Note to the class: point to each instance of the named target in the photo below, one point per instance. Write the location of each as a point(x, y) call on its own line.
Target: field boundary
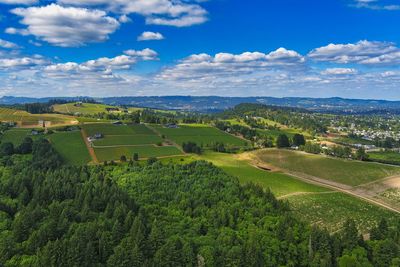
point(89, 147)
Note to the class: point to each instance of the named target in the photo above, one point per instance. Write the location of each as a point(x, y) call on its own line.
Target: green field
point(145, 151)
point(338, 170)
point(391, 157)
point(26, 119)
point(311, 203)
point(121, 140)
point(110, 129)
point(15, 136)
point(331, 210)
point(71, 147)
point(279, 183)
point(200, 134)
point(84, 108)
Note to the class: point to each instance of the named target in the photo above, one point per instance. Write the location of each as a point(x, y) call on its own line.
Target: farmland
point(391, 157)
point(346, 172)
point(71, 147)
point(200, 134)
point(312, 203)
point(330, 210)
point(27, 120)
point(144, 151)
point(83, 109)
point(15, 136)
point(126, 140)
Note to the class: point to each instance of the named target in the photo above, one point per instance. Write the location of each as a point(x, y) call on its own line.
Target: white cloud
point(19, 2)
point(20, 62)
point(374, 5)
point(148, 36)
point(105, 64)
point(66, 26)
point(362, 52)
point(124, 19)
point(7, 44)
point(160, 12)
point(11, 30)
point(339, 71)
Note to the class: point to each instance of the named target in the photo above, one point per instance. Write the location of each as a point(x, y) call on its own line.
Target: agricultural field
point(311, 203)
point(16, 136)
point(110, 129)
point(200, 134)
point(27, 120)
point(342, 171)
point(391, 157)
point(391, 195)
point(126, 140)
point(330, 210)
point(71, 147)
point(144, 151)
point(83, 109)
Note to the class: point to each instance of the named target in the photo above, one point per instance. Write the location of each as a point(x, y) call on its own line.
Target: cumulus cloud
point(7, 44)
point(226, 64)
point(362, 52)
point(160, 12)
point(65, 26)
point(148, 36)
point(105, 64)
point(20, 62)
point(11, 30)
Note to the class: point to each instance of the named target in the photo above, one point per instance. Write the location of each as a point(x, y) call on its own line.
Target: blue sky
point(315, 48)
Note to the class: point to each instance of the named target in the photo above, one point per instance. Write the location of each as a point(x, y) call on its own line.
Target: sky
point(281, 48)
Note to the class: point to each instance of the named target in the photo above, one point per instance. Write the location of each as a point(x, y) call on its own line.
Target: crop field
point(279, 183)
point(26, 119)
point(121, 140)
point(337, 170)
point(71, 147)
point(311, 203)
point(110, 129)
point(16, 136)
point(84, 109)
point(200, 134)
point(385, 156)
point(331, 210)
point(145, 151)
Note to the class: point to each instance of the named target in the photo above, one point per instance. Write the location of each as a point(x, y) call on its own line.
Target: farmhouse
point(171, 126)
point(95, 137)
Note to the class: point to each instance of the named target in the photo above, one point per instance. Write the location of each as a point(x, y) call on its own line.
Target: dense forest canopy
point(154, 214)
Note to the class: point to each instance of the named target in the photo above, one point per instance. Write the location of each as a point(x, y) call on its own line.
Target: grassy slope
point(314, 204)
point(85, 109)
point(26, 118)
point(144, 151)
point(200, 134)
point(71, 147)
point(15, 136)
point(337, 170)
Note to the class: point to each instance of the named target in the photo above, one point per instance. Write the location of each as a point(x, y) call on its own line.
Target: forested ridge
point(154, 214)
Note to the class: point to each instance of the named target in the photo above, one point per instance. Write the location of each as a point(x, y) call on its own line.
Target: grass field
point(84, 109)
point(388, 156)
point(121, 140)
point(200, 134)
point(145, 151)
point(110, 129)
point(279, 183)
point(71, 147)
point(343, 171)
point(331, 210)
point(26, 119)
point(311, 203)
point(16, 136)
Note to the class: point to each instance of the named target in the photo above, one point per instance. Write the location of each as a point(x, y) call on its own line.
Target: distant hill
point(215, 103)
